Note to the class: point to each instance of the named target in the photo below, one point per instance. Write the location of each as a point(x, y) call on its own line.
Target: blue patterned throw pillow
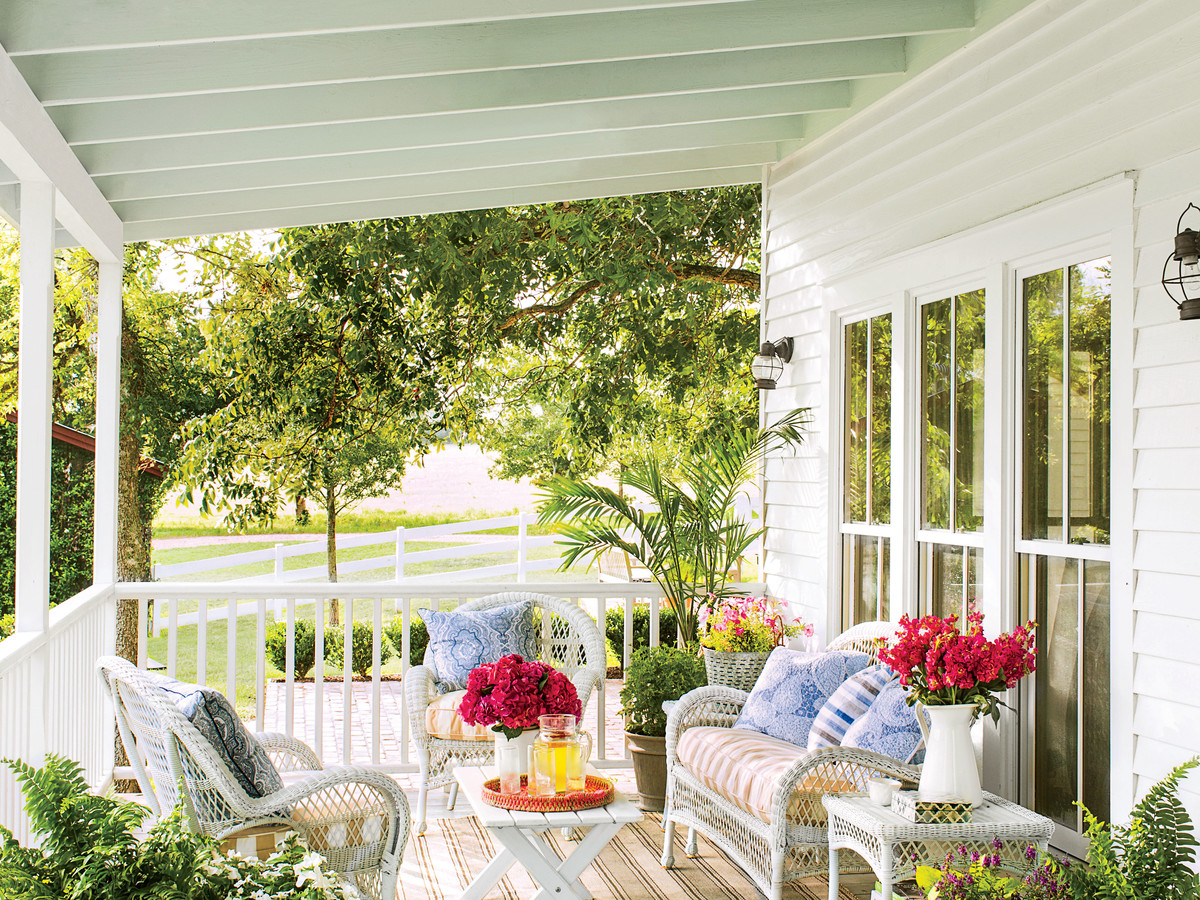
point(460, 640)
point(846, 705)
point(792, 689)
point(889, 727)
point(217, 720)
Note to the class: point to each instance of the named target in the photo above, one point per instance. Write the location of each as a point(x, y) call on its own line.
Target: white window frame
point(1092, 222)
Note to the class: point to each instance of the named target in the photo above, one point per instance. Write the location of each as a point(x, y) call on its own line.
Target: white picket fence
point(395, 561)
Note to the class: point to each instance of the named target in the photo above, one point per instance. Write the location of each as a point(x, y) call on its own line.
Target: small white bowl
point(881, 790)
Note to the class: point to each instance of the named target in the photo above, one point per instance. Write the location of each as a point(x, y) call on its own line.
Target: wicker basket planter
point(735, 670)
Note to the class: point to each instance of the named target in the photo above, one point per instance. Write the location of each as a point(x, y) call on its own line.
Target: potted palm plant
point(683, 530)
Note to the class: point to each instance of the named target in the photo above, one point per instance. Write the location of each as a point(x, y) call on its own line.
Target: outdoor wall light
point(768, 365)
point(1184, 277)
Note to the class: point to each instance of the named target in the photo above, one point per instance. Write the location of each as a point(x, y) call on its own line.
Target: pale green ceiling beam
point(335, 141)
point(799, 69)
point(418, 206)
point(429, 160)
point(423, 185)
point(40, 26)
point(263, 63)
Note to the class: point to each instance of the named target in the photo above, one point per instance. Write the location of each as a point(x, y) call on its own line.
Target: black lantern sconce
point(768, 365)
point(1183, 278)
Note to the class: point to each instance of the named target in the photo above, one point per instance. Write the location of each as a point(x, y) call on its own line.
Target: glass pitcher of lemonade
point(560, 755)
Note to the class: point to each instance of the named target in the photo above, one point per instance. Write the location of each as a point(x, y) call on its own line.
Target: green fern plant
point(89, 850)
point(1148, 859)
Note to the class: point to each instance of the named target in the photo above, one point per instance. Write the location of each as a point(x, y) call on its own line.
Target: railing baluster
point(142, 614)
point(653, 621)
point(289, 675)
point(376, 678)
point(627, 649)
point(231, 635)
point(347, 679)
point(405, 652)
point(172, 635)
point(318, 743)
point(260, 669)
point(202, 642)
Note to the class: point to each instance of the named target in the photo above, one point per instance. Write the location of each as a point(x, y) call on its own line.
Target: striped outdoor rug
point(439, 866)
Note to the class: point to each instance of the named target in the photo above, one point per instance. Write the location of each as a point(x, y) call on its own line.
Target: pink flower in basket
point(510, 694)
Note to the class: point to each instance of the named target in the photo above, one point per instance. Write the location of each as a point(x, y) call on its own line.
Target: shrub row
point(361, 645)
point(614, 628)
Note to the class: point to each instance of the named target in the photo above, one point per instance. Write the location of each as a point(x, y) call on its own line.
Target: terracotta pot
point(649, 769)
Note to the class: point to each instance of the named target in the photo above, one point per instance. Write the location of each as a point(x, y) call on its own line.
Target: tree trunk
point(301, 510)
point(133, 531)
point(331, 546)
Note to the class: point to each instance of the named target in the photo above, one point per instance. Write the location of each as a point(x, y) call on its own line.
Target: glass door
point(1063, 543)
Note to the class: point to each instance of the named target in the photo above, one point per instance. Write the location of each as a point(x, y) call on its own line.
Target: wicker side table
point(892, 845)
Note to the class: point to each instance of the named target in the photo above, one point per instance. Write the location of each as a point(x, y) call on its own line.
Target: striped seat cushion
point(745, 766)
point(443, 721)
point(846, 705)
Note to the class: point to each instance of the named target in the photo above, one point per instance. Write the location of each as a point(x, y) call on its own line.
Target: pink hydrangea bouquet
point(747, 624)
point(941, 664)
point(510, 694)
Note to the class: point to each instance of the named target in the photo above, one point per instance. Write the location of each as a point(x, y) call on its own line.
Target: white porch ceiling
point(231, 115)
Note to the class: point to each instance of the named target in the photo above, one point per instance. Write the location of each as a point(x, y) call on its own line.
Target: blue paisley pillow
point(792, 689)
point(889, 727)
point(460, 640)
point(217, 720)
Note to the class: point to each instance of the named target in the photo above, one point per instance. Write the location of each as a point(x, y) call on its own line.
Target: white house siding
point(1063, 96)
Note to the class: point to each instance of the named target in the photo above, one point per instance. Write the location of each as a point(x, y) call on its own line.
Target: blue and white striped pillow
point(846, 705)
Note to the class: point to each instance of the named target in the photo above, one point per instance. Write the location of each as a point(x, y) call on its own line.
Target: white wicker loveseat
point(357, 819)
point(791, 841)
point(569, 640)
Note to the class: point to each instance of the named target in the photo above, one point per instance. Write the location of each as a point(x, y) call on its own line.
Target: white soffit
point(229, 115)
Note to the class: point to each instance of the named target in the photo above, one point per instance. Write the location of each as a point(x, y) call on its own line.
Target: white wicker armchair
point(357, 819)
point(569, 640)
point(793, 844)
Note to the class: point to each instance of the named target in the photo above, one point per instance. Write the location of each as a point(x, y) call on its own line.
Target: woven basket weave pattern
point(597, 792)
point(735, 670)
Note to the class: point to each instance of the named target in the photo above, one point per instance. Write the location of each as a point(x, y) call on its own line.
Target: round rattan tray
point(597, 792)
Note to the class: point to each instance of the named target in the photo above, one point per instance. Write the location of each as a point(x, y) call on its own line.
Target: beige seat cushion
point(443, 721)
point(745, 766)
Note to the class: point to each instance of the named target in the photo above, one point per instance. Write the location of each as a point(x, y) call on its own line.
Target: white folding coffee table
point(521, 838)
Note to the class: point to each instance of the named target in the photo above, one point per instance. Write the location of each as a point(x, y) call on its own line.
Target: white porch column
point(35, 363)
point(108, 423)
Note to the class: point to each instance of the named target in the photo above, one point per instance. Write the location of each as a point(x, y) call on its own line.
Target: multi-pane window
point(1064, 536)
point(951, 436)
point(866, 512)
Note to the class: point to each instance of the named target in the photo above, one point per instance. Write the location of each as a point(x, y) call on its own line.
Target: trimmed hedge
point(614, 628)
point(418, 638)
point(361, 648)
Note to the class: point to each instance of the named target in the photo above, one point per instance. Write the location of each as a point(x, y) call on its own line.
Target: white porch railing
point(52, 700)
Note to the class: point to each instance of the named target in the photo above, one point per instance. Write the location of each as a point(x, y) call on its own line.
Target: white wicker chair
point(775, 852)
point(570, 641)
point(357, 819)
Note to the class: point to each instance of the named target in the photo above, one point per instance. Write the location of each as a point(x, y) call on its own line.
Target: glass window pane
point(968, 411)
point(1096, 688)
point(856, 422)
point(866, 578)
point(1055, 584)
point(1042, 464)
point(881, 419)
point(1088, 410)
point(935, 413)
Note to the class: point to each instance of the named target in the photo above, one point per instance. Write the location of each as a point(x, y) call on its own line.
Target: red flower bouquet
point(510, 694)
point(941, 665)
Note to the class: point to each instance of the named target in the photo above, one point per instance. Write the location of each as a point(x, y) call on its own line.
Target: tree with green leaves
point(326, 381)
